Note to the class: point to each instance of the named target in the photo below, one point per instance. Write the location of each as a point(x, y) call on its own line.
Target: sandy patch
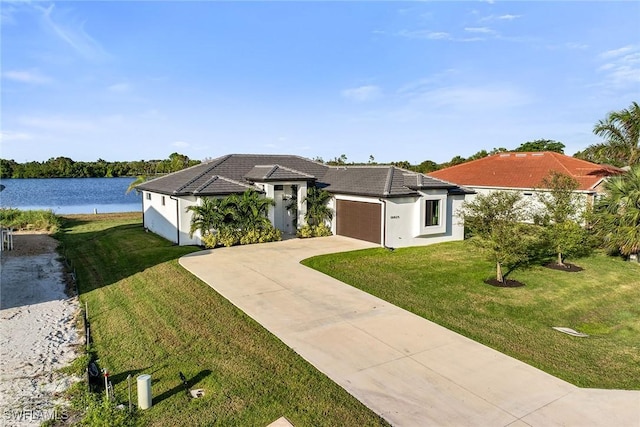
point(37, 331)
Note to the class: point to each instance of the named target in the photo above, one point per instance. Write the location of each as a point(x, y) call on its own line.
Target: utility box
point(144, 391)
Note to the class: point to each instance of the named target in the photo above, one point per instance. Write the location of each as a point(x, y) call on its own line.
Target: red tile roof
point(524, 170)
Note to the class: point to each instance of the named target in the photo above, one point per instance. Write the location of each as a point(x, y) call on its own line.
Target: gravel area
point(38, 333)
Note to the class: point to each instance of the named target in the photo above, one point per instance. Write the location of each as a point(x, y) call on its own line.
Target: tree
point(318, 213)
point(621, 130)
point(542, 145)
point(427, 166)
point(212, 214)
point(338, 161)
point(496, 221)
point(403, 164)
point(139, 180)
point(250, 210)
point(617, 214)
point(561, 216)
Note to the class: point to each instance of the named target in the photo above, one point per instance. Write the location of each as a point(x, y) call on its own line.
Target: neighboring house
point(381, 204)
point(524, 173)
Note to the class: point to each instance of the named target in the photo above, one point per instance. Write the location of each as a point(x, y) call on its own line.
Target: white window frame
point(441, 227)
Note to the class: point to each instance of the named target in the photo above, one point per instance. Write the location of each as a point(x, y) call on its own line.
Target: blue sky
point(396, 80)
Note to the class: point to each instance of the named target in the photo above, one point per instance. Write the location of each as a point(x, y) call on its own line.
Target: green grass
point(444, 283)
point(149, 315)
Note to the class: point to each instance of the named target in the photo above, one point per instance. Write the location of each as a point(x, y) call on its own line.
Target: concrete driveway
point(407, 369)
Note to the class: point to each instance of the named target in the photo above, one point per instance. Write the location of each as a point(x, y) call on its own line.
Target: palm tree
point(621, 129)
point(617, 215)
point(318, 212)
point(139, 180)
point(211, 214)
point(250, 210)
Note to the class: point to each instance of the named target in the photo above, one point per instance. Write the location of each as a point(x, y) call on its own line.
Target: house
point(524, 173)
point(386, 205)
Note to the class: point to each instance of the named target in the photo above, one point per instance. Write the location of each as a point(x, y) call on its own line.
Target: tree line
point(431, 166)
point(64, 167)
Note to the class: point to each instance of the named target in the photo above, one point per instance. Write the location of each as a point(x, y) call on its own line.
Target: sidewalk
point(407, 369)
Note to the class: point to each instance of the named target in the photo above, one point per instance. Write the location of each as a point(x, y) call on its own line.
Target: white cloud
point(616, 52)
point(72, 33)
point(480, 30)
point(458, 98)
point(424, 34)
point(57, 123)
point(509, 17)
point(362, 93)
point(181, 144)
point(26, 76)
point(575, 45)
point(622, 67)
point(7, 136)
point(120, 88)
point(505, 17)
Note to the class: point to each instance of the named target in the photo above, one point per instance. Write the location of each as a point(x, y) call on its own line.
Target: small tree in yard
point(496, 222)
point(561, 216)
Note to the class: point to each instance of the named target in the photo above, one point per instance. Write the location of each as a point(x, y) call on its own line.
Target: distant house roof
point(236, 173)
point(524, 171)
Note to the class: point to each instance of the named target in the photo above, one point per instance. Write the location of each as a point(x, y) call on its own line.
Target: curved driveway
point(407, 369)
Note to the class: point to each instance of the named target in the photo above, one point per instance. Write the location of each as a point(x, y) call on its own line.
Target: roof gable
point(524, 170)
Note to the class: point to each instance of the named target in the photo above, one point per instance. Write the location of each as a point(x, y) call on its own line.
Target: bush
point(44, 220)
point(307, 231)
point(230, 237)
point(210, 240)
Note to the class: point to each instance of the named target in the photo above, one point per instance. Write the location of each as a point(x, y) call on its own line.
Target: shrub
point(210, 240)
point(44, 220)
point(307, 231)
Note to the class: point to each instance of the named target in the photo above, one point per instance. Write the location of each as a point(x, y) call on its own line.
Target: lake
point(70, 195)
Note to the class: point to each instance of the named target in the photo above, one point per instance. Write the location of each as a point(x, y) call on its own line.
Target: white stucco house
point(386, 205)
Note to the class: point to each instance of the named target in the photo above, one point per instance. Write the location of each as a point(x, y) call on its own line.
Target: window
point(432, 213)
point(162, 200)
point(148, 196)
point(278, 187)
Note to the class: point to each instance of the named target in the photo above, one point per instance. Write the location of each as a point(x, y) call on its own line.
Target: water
point(70, 195)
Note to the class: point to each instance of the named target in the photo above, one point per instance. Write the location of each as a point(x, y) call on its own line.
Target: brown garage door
point(359, 220)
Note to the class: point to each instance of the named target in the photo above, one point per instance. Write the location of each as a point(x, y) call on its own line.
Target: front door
point(283, 220)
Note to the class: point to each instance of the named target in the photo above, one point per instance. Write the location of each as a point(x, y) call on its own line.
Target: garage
point(359, 220)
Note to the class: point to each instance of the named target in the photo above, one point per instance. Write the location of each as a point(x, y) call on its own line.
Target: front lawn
point(444, 283)
point(151, 316)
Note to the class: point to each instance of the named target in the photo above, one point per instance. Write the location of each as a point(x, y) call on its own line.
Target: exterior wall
point(530, 196)
point(159, 217)
point(403, 218)
point(282, 199)
point(185, 220)
point(162, 218)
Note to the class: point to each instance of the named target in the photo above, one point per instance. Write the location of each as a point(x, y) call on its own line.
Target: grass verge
point(444, 283)
point(151, 316)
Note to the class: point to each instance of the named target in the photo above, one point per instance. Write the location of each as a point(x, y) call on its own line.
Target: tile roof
point(524, 170)
point(276, 173)
point(236, 173)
